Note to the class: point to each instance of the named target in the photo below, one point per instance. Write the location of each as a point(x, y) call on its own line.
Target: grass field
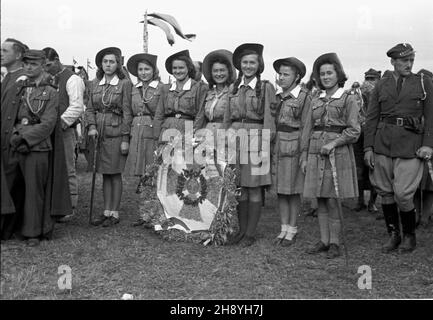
point(108, 262)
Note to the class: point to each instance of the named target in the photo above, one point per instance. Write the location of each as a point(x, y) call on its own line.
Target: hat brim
point(292, 61)
point(209, 60)
point(132, 64)
point(324, 59)
point(170, 59)
point(110, 50)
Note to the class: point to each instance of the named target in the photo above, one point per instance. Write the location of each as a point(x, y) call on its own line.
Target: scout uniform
point(398, 123)
point(249, 112)
point(109, 110)
point(175, 107)
point(330, 120)
point(290, 115)
point(143, 104)
point(31, 145)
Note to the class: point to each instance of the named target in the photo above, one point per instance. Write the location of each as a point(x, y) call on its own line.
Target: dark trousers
point(27, 176)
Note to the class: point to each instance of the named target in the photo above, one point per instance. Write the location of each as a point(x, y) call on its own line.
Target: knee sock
point(324, 227)
point(335, 230)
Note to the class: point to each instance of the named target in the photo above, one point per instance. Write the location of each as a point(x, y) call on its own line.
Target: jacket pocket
point(288, 146)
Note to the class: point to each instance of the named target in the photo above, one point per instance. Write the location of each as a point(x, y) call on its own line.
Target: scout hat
point(32, 54)
point(211, 57)
point(400, 50)
point(371, 73)
point(245, 49)
point(170, 59)
point(331, 58)
point(133, 62)
point(110, 50)
point(293, 62)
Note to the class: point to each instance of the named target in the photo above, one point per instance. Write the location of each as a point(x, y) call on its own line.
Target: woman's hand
point(303, 166)
point(369, 159)
point(327, 148)
point(93, 133)
point(124, 148)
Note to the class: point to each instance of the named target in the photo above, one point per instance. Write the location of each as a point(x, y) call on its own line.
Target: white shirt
point(113, 82)
point(337, 94)
point(252, 83)
point(153, 84)
point(186, 86)
point(75, 88)
point(294, 92)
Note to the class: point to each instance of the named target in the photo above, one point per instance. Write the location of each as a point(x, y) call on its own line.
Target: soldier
point(30, 162)
point(371, 77)
point(71, 90)
point(396, 141)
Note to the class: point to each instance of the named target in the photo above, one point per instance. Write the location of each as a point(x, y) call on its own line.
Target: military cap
point(110, 50)
point(401, 50)
point(292, 61)
point(245, 49)
point(211, 57)
point(170, 59)
point(426, 73)
point(132, 64)
point(32, 54)
point(371, 73)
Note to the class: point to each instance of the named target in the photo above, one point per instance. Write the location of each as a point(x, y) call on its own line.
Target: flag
point(88, 64)
point(172, 21)
point(74, 62)
point(164, 27)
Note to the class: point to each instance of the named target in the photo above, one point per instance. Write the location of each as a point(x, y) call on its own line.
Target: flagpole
point(145, 35)
point(87, 66)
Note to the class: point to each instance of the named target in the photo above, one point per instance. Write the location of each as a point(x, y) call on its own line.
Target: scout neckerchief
point(177, 98)
point(214, 102)
point(146, 101)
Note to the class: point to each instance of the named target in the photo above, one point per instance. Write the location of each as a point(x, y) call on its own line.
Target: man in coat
point(398, 136)
point(34, 167)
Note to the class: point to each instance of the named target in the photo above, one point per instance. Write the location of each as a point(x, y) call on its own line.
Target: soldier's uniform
point(30, 149)
point(398, 124)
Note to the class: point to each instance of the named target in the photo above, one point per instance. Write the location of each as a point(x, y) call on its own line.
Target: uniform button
point(9, 118)
point(7, 131)
point(14, 102)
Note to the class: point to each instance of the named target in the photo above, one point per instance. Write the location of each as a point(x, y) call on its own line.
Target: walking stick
point(340, 209)
point(92, 192)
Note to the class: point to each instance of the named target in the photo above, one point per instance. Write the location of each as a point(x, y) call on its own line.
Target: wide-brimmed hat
point(292, 61)
point(132, 64)
point(110, 50)
point(245, 49)
point(331, 58)
point(170, 59)
point(221, 54)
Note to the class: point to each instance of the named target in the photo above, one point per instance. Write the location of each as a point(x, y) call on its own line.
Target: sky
point(360, 32)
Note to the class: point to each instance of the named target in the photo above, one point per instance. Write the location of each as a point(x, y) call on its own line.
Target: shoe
point(372, 207)
point(33, 242)
point(409, 243)
point(333, 252)
point(99, 220)
point(236, 238)
point(66, 218)
point(360, 207)
point(139, 222)
point(318, 247)
point(393, 242)
point(110, 221)
point(287, 243)
point(280, 238)
point(379, 216)
point(248, 241)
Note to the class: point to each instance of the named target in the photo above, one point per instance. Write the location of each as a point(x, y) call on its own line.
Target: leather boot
point(408, 222)
point(254, 213)
point(390, 213)
point(243, 221)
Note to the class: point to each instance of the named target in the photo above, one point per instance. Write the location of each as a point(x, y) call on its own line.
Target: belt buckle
point(24, 121)
point(400, 122)
point(178, 115)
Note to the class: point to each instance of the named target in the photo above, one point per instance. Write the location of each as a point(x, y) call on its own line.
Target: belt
point(398, 121)
point(180, 116)
point(248, 121)
point(28, 121)
point(336, 129)
point(286, 128)
point(141, 114)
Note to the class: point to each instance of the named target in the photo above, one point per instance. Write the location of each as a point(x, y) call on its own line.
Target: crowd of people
point(326, 143)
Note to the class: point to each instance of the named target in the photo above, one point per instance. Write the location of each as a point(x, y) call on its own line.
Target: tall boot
point(390, 212)
point(254, 213)
point(408, 222)
point(243, 221)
